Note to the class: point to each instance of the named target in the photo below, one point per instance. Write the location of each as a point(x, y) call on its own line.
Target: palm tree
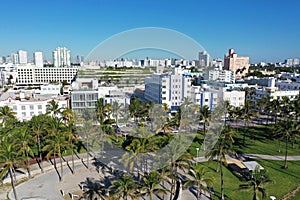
point(54, 145)
point(8, 159)
point(285, 106)
point(258, 180)
point(38, 129)
point(102, 111)
point(183, 163)
point(275, 108)
point(151, 185)
point(132, 157)
point(23, 141)
point(116, 109)
point(69, 130)
point(223, 147)
point(247, 113)
point(67, 114)
point(6, 113)
point(53, 108)
point(123, 187)
point(199, 177)
point(205, 115)
point(286, 128)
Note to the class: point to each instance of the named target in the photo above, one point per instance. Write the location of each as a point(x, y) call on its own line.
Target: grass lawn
point(283, 181)
point(259, 140)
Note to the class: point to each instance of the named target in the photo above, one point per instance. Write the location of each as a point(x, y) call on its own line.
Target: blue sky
point(267, 30)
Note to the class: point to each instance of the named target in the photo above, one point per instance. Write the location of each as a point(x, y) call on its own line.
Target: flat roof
point(252, 164)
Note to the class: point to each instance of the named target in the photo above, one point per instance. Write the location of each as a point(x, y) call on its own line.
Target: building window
point(23, 114)
point(31, 114)
point(23, 108)
point(14, 107)
point(40, 112)
point(39, 107)
point(31, 107)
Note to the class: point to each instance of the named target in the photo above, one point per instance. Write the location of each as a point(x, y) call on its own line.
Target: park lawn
point(259, 141)
point(283, 181)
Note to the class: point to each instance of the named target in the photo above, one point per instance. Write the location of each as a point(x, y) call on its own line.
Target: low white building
point(225, 76)
point(32, 75)
point(27, 105)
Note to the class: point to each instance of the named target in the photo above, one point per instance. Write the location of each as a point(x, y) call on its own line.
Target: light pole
point(197, 149)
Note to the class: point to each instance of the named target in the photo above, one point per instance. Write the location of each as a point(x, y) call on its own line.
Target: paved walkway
point(47, 185)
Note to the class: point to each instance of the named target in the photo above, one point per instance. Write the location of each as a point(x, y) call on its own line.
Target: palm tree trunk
point(28, 166)
point(73, 171)
point(198, 192)
point(222, 181)
point(12, 183)
point(286, 152)
point(279, 146)
point(87, 151)
point(204, 127)
point(61, 165)
point(150, 194)
point(40, 155)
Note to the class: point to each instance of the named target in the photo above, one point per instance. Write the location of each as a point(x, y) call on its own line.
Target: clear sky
point(265, 30)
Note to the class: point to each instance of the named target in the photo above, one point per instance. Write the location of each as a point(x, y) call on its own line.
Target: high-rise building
point(204, 59)
point(38, 59)
point(61, 57)
point(15, 58)
point(22, 57)
point(240, 65)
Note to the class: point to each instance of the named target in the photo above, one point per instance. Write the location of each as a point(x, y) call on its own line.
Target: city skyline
point(265, 31)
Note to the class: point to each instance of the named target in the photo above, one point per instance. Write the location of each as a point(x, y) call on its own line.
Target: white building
point(51, 89)
point(211, 96)
point(26, 105)
point(14, 58)
point(32, 75)
point(220, 76)
point(168, 88)
point(86, 92)
point(22, 57)
point(204, 59)
point(61, 57)
point(38, 59)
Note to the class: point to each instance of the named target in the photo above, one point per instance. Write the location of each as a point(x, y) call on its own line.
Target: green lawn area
point(283, 181)
point(258, 141)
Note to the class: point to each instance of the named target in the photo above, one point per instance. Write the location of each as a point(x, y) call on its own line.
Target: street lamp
point(197, 149)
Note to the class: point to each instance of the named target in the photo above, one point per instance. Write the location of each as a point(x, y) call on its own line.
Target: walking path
point(47, 186)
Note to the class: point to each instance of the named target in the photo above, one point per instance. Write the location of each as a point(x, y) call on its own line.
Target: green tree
point(37, 126)
point(53, 108)
point(286, 129)
point(151, 185)
point(23, 144)
point(55, 143)
point(9, 158)
point(223, 147)
point(116, 108)
point(258, 180)
point(200, 177)
point(6, 113)
point(123, 187)
point(102, 111)
point(205, 115)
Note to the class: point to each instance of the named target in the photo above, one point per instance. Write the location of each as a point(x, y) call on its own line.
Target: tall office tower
point(204, 59)
point(61, 57)
point(14, 58)
point(38, 59)
point(22, 57)
point(240, 65)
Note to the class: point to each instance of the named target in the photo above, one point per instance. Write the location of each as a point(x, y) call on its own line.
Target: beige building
point(240, 65)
